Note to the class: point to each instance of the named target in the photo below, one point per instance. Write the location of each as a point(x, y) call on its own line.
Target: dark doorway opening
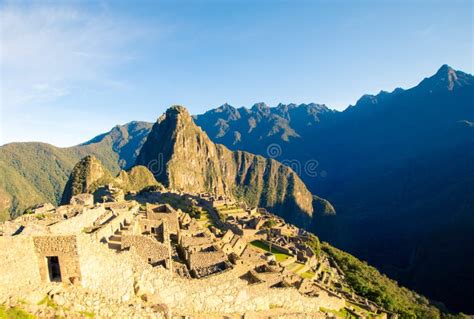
point(53, 268)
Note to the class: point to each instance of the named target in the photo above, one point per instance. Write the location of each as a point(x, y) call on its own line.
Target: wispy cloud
point(48, 51)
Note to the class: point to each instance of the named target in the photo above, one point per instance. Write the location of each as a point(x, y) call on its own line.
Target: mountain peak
point(177, 109)
point(181, 156)
point(86, 175)
point(444, 69)
point(261, 106)
point(177, 114)
point(446, 78)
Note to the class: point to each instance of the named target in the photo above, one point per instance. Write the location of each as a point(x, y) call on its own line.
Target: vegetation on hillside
point(323, 207)
point(32, 173)
point(14, 313)
point(314, 243)
point(137, 179)
point(368, 282)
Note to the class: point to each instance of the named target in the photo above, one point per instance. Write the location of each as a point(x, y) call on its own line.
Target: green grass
point(48, 303)
point(279, 256)
point(307, 275)
point(14, 313)
point(205, 219)
point(294, 267)
point(228, 209)
point(87, 314)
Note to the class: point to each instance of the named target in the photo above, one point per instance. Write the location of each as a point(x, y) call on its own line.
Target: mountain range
point(397, 169)
point(33, 173)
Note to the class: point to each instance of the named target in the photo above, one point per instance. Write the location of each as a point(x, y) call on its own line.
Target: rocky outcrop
point(86, 177)
point(89, 175)
point(182, 157)
point(137, 178)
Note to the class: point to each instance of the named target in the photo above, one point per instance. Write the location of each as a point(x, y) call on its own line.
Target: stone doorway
point(54, 269)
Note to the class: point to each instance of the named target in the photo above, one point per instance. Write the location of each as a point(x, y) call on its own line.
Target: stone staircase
point(115, 241)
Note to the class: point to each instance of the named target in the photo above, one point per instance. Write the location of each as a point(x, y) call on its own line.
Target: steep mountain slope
point(125, 140)
point(86, 177)
point(37, 172)
point(398, 169)
point(181, 156)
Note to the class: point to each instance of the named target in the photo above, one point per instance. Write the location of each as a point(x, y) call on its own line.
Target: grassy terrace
point(206, 219)
point(308, 275)
point(224, 208)
point(227, 210)
point(295, 267)
point(279, 256)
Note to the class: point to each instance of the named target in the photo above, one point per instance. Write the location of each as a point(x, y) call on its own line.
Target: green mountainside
point(32, 173)
point(368, 282)
point(135, 179)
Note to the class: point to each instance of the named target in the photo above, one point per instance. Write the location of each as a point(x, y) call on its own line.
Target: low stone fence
point(278, 247)
point(226, 293)
point(77, 223)
point(289, 261)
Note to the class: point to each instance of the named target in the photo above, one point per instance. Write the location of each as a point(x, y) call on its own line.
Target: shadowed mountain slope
point(397, 168)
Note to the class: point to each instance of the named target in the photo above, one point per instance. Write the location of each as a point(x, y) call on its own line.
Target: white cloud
point(48, 51)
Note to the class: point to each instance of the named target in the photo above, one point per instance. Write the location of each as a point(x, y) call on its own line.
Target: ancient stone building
point(82, 199)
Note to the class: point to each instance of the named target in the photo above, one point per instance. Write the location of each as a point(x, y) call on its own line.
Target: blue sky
point(72, 70)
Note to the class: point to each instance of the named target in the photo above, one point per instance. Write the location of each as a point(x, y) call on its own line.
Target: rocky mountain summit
point(182, 157)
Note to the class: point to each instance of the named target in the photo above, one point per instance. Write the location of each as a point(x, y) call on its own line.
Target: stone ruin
point(153, 254)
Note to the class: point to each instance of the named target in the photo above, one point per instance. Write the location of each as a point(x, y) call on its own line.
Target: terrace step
point(115, 245)
point(115, 238)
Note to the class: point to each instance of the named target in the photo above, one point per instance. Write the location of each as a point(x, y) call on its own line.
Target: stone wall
point(103, 270)
point(18, 265)
point(224, 293)
point(112, 226)
point(148, 249)
point(277, 247)
point(203, 259)
point(65, 248)
point(77, 223)
point(121, 276)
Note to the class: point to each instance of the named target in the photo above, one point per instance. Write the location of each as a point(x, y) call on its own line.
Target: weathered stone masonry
point(65, 249)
